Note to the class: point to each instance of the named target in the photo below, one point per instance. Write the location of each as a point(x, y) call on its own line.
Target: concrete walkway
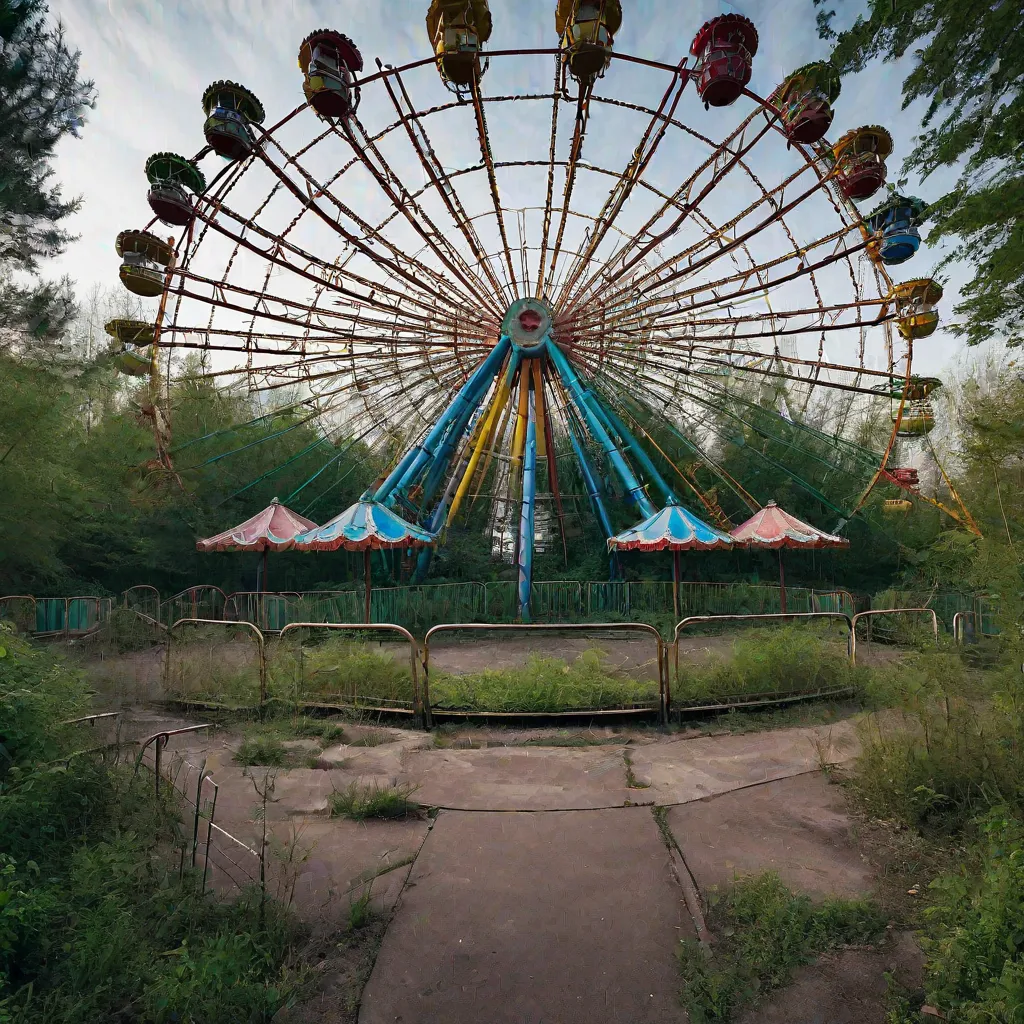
point(545, 889)
point(535, 917)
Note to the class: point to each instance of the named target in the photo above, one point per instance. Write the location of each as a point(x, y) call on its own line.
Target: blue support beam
point(461, 408)
point(526, 518)
point(588, 408)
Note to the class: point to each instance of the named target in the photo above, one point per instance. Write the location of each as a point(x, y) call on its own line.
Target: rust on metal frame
point(765, 616)
point(255, 630)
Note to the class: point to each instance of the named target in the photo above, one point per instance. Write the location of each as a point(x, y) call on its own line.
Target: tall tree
point(42, 99)
point(970, 69)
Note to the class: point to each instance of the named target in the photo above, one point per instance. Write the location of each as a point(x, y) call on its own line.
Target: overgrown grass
point(953, 749)
point(95, 922)
point(338, 669)
point(790, 659)
point(765, 932)
point(210, 665)
point(950, 764)
point(974, 938)
point(542, 685)
point(374, 801)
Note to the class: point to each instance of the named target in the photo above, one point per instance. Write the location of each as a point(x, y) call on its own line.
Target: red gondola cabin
point(724, 48)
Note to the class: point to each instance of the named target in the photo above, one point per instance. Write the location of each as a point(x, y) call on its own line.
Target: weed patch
point(361, 802)
point(765, 932)
point(542, 685)
point(770, 661)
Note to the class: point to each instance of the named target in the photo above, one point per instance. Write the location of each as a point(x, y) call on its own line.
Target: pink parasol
point(273, 529)
point(773, 527)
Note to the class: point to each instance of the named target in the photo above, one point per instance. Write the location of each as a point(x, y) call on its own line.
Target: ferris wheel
point(520, 267)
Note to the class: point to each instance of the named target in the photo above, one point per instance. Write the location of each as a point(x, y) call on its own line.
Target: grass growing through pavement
point(263, 744)
point(765, 932)
point(361, 802)
point(791, 659)
point(542, 685)
point(949, 768)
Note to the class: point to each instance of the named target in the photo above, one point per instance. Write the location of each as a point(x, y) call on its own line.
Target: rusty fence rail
point(549, 627)
point(868, 615)
point(419, 707)
point(254, 631)
point(195, 786)
point(779, 617)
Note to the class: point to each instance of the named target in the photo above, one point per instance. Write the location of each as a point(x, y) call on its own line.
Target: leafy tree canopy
point(42, 99)
point(970, 68)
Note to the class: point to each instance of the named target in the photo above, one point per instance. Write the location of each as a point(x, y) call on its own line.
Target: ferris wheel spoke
point(438, 177)
point(575, 152)
point(331, 275)
point(683, 201)
point(415, 274)
point(549, 198)
point(767, 424)
point(640, 160)
point(218, 299)
point(404, 201)
point(492, 182)
point(641, 286)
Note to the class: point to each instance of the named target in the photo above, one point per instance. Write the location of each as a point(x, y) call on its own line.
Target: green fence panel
point(502, 601)
point(326, 606)
point(50, 613)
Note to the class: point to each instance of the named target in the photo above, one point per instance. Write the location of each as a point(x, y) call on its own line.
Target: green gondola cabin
point(805, 100)
point(230, 109)
point(169, 177)
point(144, 258)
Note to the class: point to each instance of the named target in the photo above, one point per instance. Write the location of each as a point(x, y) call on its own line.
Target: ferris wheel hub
point(527, 322)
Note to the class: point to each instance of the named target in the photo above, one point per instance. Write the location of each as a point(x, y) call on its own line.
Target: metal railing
point(888, 611)
point(419, 707)
point(254, 630)
point(203, 808)
point(779, 617)
point(143, 599)
point(200, 602)
point(26, 620)
point(539, 627)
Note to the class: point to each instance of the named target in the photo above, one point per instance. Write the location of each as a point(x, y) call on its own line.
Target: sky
point(151, 62)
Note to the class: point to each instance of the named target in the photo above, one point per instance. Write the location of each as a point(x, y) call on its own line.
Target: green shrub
point(791, 659)
point(361, 802)
point(95, 922)
point(542, 685)
point(975, 929)
point(265, 751)
point(37, 692)
point(764, 933)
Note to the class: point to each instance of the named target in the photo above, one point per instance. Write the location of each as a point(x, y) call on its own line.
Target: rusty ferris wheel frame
point(381, 354)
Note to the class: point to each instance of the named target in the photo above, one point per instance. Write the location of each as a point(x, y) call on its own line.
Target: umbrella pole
point(675, 582)
point(367, 572)
point(264, 586)
point(782, 584)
